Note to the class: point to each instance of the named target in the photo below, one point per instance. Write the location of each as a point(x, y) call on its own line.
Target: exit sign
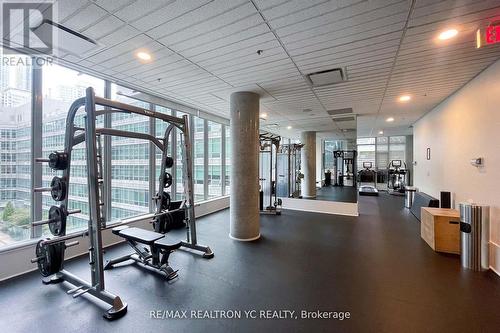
point(487, 36)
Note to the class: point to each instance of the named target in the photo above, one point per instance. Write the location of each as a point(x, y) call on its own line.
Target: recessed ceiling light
point(289, 127)
point(390, 119)
point(381, 132)
point(447, 34)
point(143, 55)
point(263, 115)
point(404, 98)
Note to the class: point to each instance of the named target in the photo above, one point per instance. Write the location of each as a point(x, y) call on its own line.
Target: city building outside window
point(15, 152)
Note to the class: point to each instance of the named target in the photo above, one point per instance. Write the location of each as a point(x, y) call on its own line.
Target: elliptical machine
point(367, 175)
point(396, 177)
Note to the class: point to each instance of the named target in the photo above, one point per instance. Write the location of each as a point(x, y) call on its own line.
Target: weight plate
point(58, 160)
point(43, 256)
point(157, 223)
point(51, 258)
point(58, 216)
point(169, 162)
point(59, 188)
point(168, 179)
point(58, 256)
point(165, 201)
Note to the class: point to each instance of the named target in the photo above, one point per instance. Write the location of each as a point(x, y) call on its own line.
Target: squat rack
point(97, 222)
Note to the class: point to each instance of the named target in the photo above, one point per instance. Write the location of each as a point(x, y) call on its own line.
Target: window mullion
point(223, 160)
point(36, 147)
point(152, 161)
point(205, 159)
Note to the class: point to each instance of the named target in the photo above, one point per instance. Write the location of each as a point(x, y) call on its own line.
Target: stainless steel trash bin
point(409, 196)
point(474, 236)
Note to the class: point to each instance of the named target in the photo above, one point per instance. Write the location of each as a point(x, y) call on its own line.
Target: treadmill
point(367, 176)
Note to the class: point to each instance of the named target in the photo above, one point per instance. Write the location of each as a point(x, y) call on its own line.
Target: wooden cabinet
point(440, 228)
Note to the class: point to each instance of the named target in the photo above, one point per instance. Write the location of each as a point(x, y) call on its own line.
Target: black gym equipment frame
point(289, 155)
point(97, 221)
point(270, 144)
point(341, 174)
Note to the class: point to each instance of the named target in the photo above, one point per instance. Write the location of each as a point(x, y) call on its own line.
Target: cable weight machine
point(269, 147)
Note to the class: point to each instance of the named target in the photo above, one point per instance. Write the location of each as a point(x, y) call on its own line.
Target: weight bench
point(156, 256)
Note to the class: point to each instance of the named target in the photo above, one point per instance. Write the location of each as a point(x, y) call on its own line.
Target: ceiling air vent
point(339, 111)
point(341, 119)
point(327, 77)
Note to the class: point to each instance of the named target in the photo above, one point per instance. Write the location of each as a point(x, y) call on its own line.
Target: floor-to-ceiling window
point(397, 148)
point(214, 159)
point(199, 158)
point(366, 151)
point(61, 87)
point(179, 172)
point(161, 127)
point(381, 150)
point(15, 152)
point(129, 160)
point(227, 149)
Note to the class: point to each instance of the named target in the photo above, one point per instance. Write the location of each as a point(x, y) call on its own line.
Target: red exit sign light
point(487, 36)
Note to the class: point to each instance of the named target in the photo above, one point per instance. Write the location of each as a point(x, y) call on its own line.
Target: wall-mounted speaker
point(445, 199)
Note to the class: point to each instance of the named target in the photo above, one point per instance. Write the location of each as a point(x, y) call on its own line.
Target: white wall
point(464, 126)
point(321, 206)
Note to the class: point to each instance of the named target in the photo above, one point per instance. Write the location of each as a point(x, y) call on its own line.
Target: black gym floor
point(337, 193)
point(374, 266)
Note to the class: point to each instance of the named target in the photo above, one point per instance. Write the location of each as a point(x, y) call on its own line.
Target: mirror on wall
point(339, 170)
point(336, 165)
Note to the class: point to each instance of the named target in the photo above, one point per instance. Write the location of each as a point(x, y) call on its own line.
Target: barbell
point(57, 219)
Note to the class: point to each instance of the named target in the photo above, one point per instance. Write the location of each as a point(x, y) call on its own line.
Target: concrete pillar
point(244, 198)
point(308, 164)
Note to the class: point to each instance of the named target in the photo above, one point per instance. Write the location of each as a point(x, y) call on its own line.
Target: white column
point(308, 164)
point(244, 196)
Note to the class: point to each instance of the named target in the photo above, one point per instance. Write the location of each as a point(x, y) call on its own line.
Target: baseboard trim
point(244, 239)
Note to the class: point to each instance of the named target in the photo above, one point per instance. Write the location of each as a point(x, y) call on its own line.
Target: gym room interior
point(250, 165)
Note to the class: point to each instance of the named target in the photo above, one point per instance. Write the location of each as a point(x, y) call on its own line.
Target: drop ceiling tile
point(165, 14)
point(85, 17)
point(119, 36)
point(63, 9)
point(113, 5)
point(182, 29)
point(104, 27)
point(141, 8)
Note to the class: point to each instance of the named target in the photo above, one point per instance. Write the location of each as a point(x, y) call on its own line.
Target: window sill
point(30, 242)
point(140, 218)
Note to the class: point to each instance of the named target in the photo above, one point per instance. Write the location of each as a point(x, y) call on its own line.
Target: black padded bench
point(156, 256)
point(422, 200)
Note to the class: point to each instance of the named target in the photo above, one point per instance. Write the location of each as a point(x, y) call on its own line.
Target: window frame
point(36, 131)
